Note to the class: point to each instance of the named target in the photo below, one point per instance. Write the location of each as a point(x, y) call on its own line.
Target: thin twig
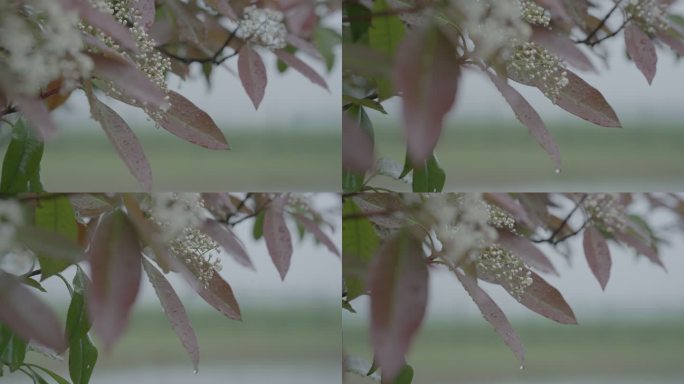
point(214, 59)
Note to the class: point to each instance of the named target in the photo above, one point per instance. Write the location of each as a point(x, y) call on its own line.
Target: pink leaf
point(28, 316)
point(104, 21)
point(301, 67)
point(174, 311)
point(426, 74)
point(528, 116)
point(38, 116)
point(357, 147)
point(527, 252)
point(585, 101)
point(563, 47)
point(129, 80)
point(185, 120)
point(114, 255)
point(305, 46)
point(642, 50)
point(544, 299)
point(640, 247)
point(146, 10)
point(312, 227)
point(223, 235)
point(493, 314)
point(252, 74)
point(398, 284)
point(123, 140)
point(674, 43)
point(598, 255)
point(277, 236)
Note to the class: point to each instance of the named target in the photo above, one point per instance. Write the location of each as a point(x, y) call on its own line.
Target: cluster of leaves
point(390, 245)
point(115, 237)
point(184, 32)
point(419, 50)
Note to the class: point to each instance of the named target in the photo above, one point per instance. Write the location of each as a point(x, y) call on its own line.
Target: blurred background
point(631, 333)
point(292, 143)
point(290, 332)
point(484, 147)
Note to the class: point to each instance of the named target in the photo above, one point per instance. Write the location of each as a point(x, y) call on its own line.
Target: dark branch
point(552, 238)
point(590, 41)
point(214, 59)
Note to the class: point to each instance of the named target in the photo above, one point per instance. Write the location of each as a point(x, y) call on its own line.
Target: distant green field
point(496, 156)
point(471, 352)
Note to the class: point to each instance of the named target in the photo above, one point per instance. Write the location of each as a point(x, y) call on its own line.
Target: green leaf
point(12, 348)
point(430, 177)
point(21, 166)
point(405, 376)
point(359, 19)
point(282, 67)
point(384, 35)
point(347, 305)
point(33, 284)
point(359, 243)
point(352, 182)
point(82, 352)
point(368, 103)
point(55, 214)
point(326, 39)
point(258, 230)
point(35, 376)
point(57, 378)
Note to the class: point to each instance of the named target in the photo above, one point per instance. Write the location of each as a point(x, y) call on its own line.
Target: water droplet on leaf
point(558, 171)
point(522, 366)
point(195, 371)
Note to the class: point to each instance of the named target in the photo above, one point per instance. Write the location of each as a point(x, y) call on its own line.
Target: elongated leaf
point(82, 353)
point(318, 233)
point(528, 116)
point(185, 120)
point(55, 214)
point(104, 21)
point(398, 282)
point(357, 141)
point(642, 51)
point(146, 10)
point(114, 256)
point(217, 292)
point(527, 252)
point(301, 67)
point(50, 244)
point(57, 378)
point(123, 140)
point(675, 44)
point(174, 311)
point(129, 80)
point(359, 243)
point(598, 255)
point(27, 315)
point(37, 115)
point(544, 299)
point(21, 163)
point(641, 247)
point(386, 31)
point(227, 239)
point(277, 236)
point(429, 177)
point(586, 102)
point(563, 47)
point(12, 348)
point(493, 314)
point(426, 73)
point(252, 74)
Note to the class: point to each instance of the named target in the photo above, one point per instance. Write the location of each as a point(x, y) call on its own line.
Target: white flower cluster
point(40, 42)
point(606, 212)
point(534, 14)
point(500, 219)
point(263, 26)
point(179, 215)
point(493, 25)
point(501, 264)
point(649, 15)
point(531, 63)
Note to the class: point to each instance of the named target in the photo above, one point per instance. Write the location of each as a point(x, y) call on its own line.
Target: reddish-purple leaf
point(219, 295)
point(398, 285)
point(676, 44)
point(563, 47)
point(642, 51)
point(123, 140)
point(38, 116)
point(28, 316)
point(114, 256)
point(185, 120)
point(426, 74)
point(226, 238)
point(640, 247)
point(174, 311)
point(357, 147)
point(304, 46)
point(528, 116)
point(129, 80)
point(586, 102)
point(146, 10)
point(527, 252)
point(544, 299)
point(104, 21)
point(598, 255)
point(315, 230)
point(252, 74)
point(493, 314)
point(277, 236)
point(301, 67)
